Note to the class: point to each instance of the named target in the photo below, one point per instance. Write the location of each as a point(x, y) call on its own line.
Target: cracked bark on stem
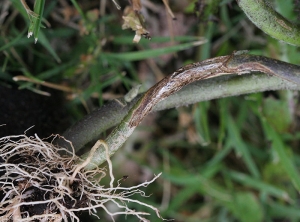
point(219, 66)
point(268, 20)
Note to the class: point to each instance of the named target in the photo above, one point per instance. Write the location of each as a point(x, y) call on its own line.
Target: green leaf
point(246, 207)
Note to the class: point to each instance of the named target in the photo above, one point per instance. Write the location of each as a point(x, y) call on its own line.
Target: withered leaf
point(134, 21)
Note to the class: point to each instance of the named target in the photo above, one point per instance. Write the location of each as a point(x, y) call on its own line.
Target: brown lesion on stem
point(235, 63)
point(224, 65)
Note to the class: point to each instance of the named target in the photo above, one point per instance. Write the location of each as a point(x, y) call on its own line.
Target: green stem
point(268, 20)
point(219, 66)
point(109, 115)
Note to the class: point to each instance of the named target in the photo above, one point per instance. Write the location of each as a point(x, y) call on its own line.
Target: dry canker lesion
point(42, 182)
point(283, 24)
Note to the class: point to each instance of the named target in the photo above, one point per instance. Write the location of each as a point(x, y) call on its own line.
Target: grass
point(237, 159)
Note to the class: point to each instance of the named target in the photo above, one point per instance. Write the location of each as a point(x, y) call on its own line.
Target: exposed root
point(86, 162)
point(37, 183)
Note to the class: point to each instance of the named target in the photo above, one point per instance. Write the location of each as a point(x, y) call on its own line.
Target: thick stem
point(268, 20)
point(110, 114)
point(95, 123)
point(219, 66)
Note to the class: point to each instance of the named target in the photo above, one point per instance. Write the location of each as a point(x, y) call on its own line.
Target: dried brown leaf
point(133, 20)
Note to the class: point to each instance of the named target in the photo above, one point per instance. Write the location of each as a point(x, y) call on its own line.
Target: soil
point(22, 109)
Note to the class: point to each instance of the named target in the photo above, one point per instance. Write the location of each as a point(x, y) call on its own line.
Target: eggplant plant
point(49, 180)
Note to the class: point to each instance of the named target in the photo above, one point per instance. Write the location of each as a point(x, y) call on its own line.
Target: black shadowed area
point(22, 109)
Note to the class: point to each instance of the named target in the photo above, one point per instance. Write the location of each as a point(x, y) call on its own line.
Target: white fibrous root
point(43, 182)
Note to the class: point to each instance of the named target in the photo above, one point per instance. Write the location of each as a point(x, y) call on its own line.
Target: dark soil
point(22, 109)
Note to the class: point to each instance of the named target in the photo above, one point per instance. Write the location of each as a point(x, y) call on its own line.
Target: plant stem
point(30, 13)
point(219, 66)
point(268, 20)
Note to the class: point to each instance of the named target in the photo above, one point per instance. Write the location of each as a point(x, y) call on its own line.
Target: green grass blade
point(217, 159)
point(181, 197)
point(241, 147)
point(258, 184)
point(74, 2)
point(223, 113)
point(152, 53)
point(280, 210)
point(50, 73)
point(127, 40)
point(18, 40)
point(205, 186)
point(45, 42)
point(38, 9)
point(285, 159)
point(201, 122)
point(18, 5)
